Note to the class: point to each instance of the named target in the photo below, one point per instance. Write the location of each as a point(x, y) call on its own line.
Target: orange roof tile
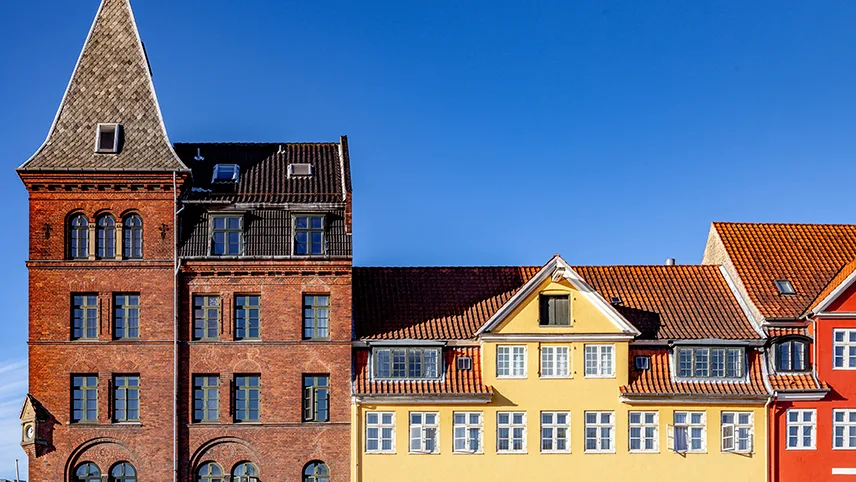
point(773, 331)
point(808, 255)
point(796, 382)
point(454, 382)
point(657, 381)
point(836, 281)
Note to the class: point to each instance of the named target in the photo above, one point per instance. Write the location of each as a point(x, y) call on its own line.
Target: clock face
point(30, 432)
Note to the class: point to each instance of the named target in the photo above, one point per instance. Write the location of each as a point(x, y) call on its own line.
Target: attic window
point(643, 363)
point(464, 362)
point(225, 173)
point(785, 287)
point(299, 170)
point(616, 301)
point(107, 138)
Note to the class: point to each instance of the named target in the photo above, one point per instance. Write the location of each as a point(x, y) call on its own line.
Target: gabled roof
point(111, 83)
point(263, 172)
point(807, 255)
point(840, 282)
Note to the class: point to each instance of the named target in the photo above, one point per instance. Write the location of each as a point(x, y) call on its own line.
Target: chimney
point(670, 261)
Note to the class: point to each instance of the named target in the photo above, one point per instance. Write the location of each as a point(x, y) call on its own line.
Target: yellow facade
point(575, 394)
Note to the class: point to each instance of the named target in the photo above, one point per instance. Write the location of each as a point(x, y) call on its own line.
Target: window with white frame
point(844, 429)
point(467, 432)
point(844, 346)
point(599, 432)
point(688, 432)
point(643, 430)
point(737, 430)
point(600, 360)
point(380, 432)
point(554, 361)
point(511, 361)
point(555, 432)
point(424, 430)
point(511, 432)
point(710, 362)
point(802, 425)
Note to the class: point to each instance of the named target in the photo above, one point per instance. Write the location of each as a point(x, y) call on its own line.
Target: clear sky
point(481, 132)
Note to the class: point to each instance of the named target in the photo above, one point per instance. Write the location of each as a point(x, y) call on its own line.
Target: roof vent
point(785, 287)
point(299, 170)
point(643, 363)
point(670, 261)
point(464, 362)
point(199, 156)
point(225, 174)
point(616, 300)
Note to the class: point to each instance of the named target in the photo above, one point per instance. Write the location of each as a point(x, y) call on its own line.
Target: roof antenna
point(198, 155)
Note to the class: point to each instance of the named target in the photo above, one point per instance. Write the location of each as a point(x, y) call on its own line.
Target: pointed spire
point(110, 84)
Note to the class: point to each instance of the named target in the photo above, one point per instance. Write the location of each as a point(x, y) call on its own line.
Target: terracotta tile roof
point(773, 331)
point(673, 302)
point(658, 380)
point(796, 382)
point(839, 278)
point(263, 172)
point(431, 303)
point(454, 382)
point(807, 255)
point(111, 84)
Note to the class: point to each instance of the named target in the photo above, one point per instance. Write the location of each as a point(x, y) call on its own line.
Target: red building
point(189, 305)
point(798, 280)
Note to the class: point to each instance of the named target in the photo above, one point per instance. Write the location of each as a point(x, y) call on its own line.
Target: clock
point(29, 433)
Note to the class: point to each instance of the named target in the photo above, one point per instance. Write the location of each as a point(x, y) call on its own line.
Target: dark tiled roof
point(657, 381)
point(673, 302)
point(807, 255)
point(263, 176)
point(431, 303)
point(111, 84)
point(454, 382)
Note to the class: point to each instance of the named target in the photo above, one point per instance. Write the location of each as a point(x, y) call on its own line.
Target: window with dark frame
point(209, 472)
point(126, 316)
point(316, 471)
point(316, 398)
point(791, 356)
point(247, 393)
point(206, 317)
point(700, 362)
point(78, 234)
point(132, 237)
point(87, 472)
point(84, 398)
point(206, 398)
point(247, 317)
point(226, 235)
point(84, 316)
point(123, 472)
point(316, 317)
point(245, 472)
point(126, 398)
point(105, 237)
point(309, 235)
point(555, 310)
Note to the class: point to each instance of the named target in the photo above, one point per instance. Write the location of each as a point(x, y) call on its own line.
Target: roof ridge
point(450, 267)
point(744, 223)
point(256, 143)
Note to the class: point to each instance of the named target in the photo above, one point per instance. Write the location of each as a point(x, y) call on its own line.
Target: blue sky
point(481, 132)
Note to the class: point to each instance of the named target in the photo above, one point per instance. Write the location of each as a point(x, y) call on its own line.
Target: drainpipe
point(771, 440)
point(176, 264)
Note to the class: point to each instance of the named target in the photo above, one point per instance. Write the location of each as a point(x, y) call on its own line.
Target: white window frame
point(117, 128)
point(236, 172)
point(467, 426)
point(380, 425)
point(512, 426)
point(516, 361)
point(848, 424)
point(689, 425)
point(643, 425)
point(554, 426)
point(599, 369)
point(550, 357)
point(848, 349)
point(801, 424)
point(735, 431)
point(424, 431)
point(598, 425)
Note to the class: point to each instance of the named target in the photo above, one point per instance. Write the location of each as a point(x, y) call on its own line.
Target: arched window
point(209, 472)
point(316, 471)
point(123, 472)
point(105, 237)
point(245, 472)
point(78, 234)
point(132, 237)
point(87, 472)
point(792, 355)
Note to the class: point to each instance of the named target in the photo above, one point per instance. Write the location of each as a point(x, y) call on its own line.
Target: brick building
point(189, 305)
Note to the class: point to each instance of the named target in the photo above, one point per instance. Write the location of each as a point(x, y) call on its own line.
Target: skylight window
point(299, 170)
point(785, 287)
point(225, 173)
point(107, 138)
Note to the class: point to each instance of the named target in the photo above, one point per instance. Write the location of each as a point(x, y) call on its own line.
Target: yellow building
point(556, 373)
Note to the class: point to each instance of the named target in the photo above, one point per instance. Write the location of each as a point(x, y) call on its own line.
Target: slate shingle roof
point(110, 84)
point(658, 381)
point(263, 174)
point(808, 255)
point(454, 382)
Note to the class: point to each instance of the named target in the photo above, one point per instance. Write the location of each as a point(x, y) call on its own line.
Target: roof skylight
point(785, 287)
point(225, 173)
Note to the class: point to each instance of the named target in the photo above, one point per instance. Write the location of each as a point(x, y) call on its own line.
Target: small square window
point(107, 138)
point(785, 287)
point(225, 173)
point(464, 362)
point(643, 363)
point(555, 310)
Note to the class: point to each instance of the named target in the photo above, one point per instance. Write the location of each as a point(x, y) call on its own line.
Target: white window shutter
point(728, 437)
point(670, 437)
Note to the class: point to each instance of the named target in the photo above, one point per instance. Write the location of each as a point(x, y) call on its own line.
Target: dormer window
point(785, 287)
point(710, 362)
point(227, 235)
point(643, 363)
point(225, 173)
point(107, 138)
point(555, 310)
point(406, 363)
point(299, 170)
point(791, 355)
point(309, 235)
point(464, 363)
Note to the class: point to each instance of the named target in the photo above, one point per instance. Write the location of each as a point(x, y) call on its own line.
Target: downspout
point(771, 440)
point(176, 263)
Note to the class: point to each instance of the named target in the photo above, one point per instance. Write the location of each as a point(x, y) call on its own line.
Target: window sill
point(126, 424)
point(511, 452)
point(555, 452)
point(598, 452)
point(510, 377)
point(423, 453)
point(556, 377)
point(461, 452)
point(379, 453)
point(599, 376)
point(643, 451)
point(800, 448)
